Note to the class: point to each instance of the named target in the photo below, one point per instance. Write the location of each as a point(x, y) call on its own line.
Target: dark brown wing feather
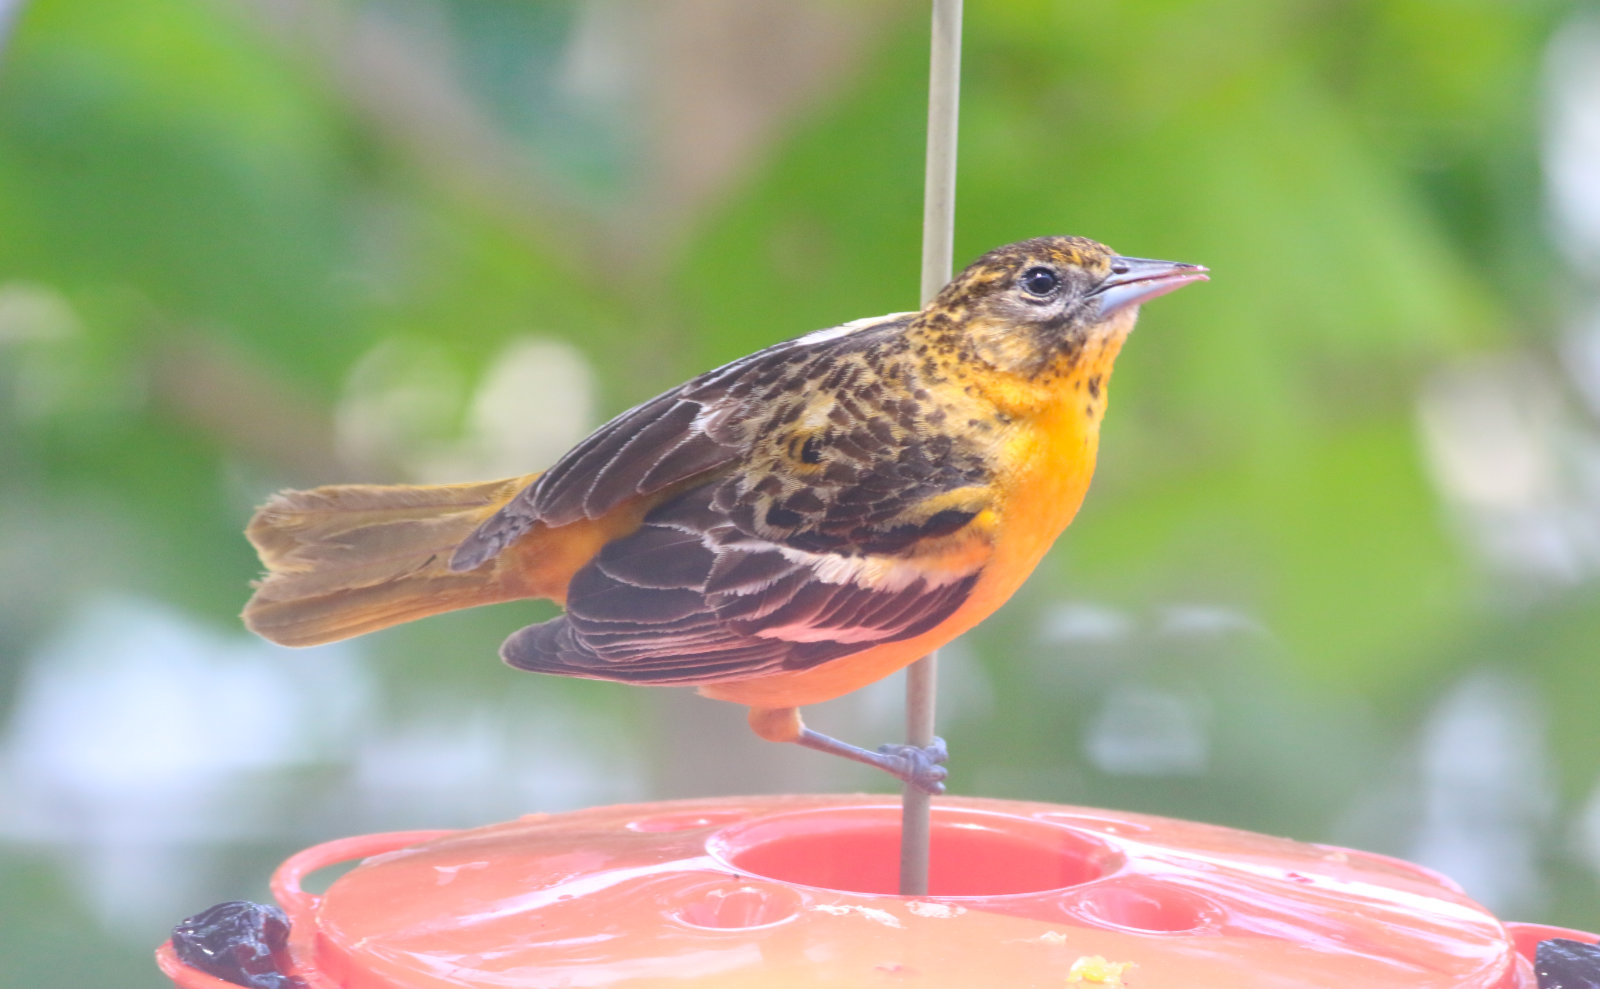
point(691, 598)
point(696, 428)
point(799, 555)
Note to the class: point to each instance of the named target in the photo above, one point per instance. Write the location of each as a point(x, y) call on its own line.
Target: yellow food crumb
point(1093, 970)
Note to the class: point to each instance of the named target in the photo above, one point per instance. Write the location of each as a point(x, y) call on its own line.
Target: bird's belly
point(1053, 465)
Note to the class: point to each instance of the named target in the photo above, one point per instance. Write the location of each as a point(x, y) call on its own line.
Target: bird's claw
point(922, 766)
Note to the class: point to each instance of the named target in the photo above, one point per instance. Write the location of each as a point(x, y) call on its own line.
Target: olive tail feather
point(347, 559)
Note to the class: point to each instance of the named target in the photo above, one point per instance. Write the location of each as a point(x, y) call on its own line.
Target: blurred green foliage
point(211, 211)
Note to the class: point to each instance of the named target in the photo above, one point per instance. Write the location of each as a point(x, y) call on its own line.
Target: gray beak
point(1136, 280)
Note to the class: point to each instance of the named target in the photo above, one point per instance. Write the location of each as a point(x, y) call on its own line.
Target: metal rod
point(938, 249)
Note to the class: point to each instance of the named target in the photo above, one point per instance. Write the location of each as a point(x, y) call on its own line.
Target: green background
point(1338, 577)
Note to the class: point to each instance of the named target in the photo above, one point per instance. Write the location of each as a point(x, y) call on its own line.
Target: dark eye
point(1040, 281)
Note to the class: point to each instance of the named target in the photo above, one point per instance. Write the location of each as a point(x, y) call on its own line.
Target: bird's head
point(1040, 306)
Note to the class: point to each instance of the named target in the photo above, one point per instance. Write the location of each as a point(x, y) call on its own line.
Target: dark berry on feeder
point(238, 941)
point(1564, 964)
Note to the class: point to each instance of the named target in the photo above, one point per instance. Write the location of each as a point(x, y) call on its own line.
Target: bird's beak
point(1136, 280)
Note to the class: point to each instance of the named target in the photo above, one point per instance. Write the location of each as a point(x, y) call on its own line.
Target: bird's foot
point(921, 766)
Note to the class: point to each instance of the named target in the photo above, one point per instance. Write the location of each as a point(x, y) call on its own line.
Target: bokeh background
point(1338, 578)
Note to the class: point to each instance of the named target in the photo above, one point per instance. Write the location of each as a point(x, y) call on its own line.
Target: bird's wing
point(740, 576)
point(693, 429)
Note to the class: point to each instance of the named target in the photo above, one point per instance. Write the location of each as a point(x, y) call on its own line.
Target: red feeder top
point(798, 891)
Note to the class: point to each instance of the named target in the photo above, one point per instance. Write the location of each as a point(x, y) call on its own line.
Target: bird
point(775, 532)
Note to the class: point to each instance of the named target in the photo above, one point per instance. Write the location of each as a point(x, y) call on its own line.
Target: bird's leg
point(922, 767)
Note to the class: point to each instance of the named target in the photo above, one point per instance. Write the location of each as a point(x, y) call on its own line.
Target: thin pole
point(938, 249)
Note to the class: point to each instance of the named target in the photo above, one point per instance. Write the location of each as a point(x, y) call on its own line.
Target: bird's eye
point(1040, 281)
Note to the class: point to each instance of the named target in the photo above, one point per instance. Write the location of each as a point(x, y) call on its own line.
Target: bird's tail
point(353, 558)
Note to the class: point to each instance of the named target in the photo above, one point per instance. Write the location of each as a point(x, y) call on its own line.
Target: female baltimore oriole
point(776, 532)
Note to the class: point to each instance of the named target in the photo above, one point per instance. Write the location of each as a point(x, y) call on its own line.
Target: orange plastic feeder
point(799, 891)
